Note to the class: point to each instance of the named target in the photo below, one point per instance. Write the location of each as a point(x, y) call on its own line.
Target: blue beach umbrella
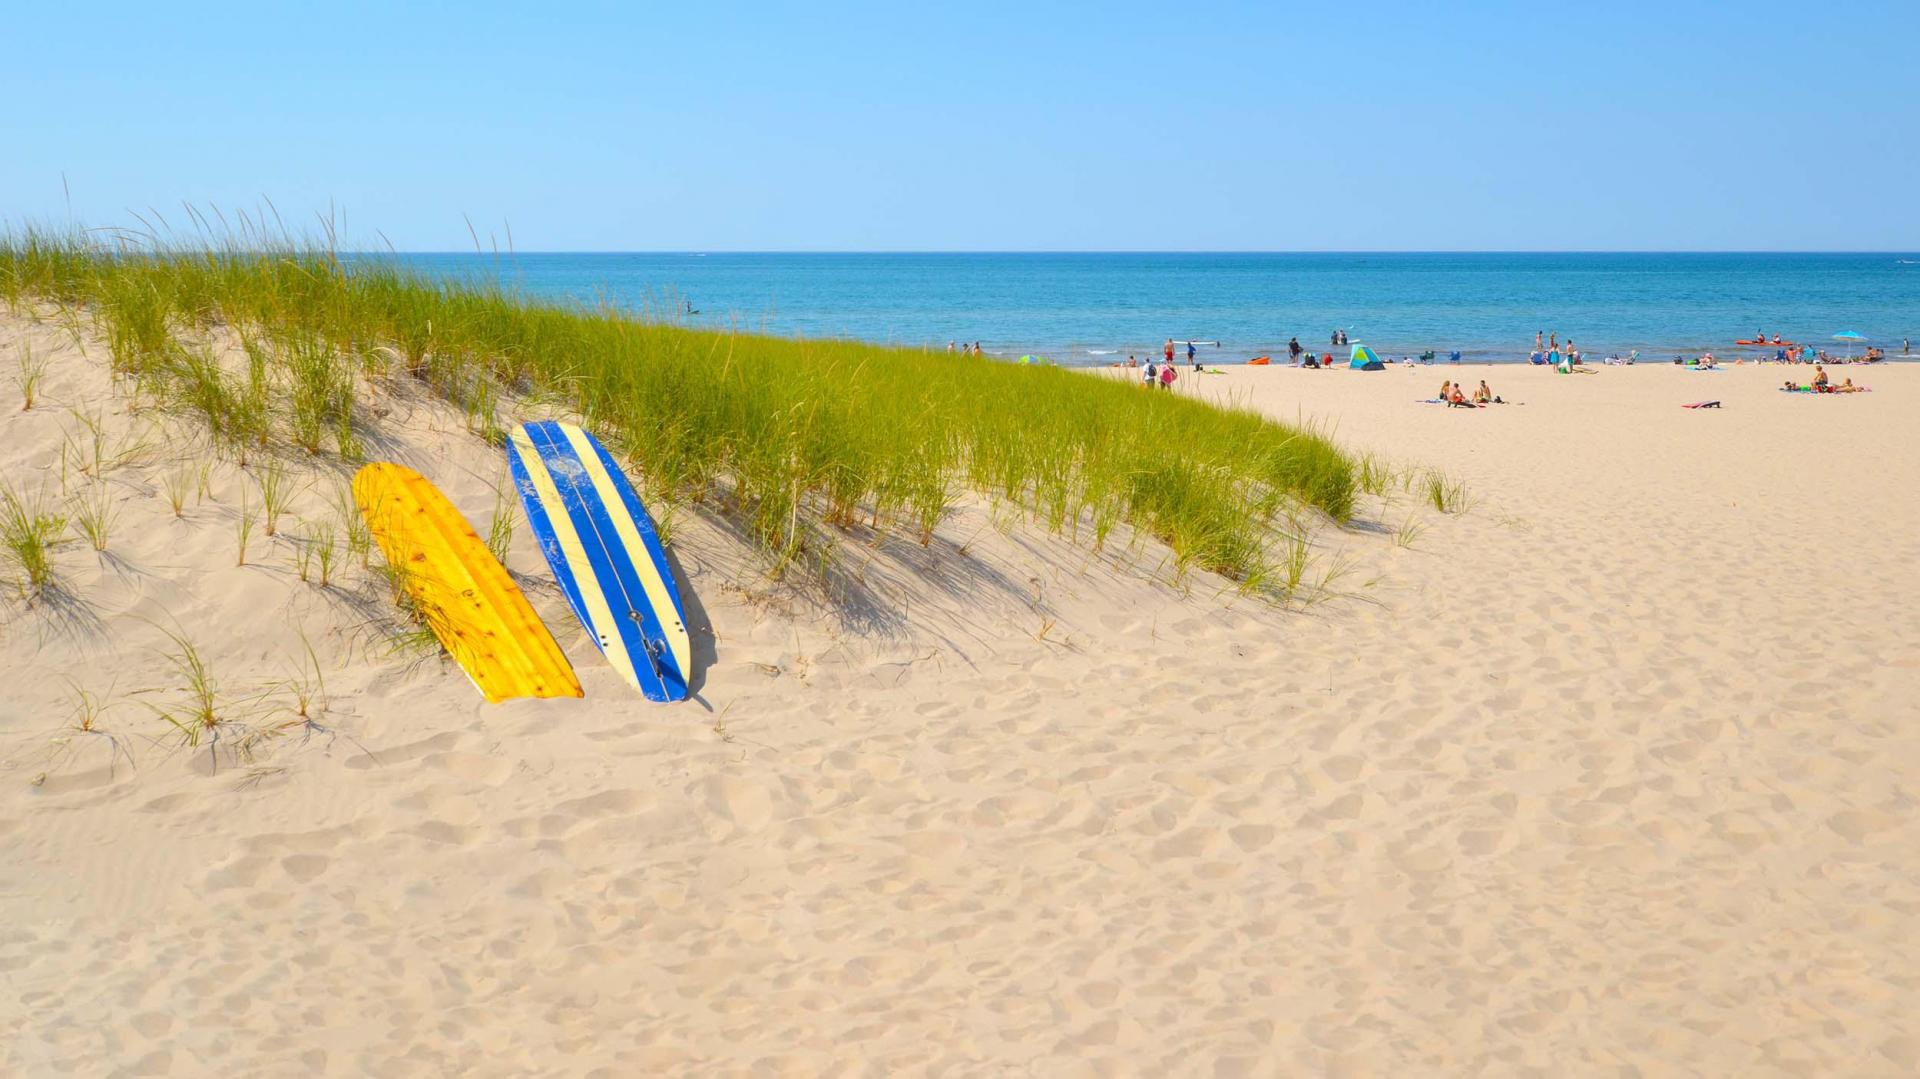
point(1849, 335)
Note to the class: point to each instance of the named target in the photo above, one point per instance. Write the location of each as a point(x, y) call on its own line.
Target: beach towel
point(1702, 404)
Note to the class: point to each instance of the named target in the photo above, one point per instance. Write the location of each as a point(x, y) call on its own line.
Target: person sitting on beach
point(1458, 399)
point(1446, 390)
point(1483, 395)
point(1848, 387)
point(1819, 378)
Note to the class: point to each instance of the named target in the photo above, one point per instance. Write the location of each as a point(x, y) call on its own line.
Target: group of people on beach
point(1823, 384)
point(965, 349)
point(1455, 395)
point(1161, 373)
point(1547, 349)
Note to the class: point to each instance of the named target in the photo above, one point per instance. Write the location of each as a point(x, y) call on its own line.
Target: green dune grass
point(793, 437)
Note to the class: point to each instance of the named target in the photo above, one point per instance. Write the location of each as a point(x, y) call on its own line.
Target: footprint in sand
point(473, 767)
point(747, 805)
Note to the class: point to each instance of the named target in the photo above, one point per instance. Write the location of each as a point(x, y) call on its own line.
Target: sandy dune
point(1616, 770)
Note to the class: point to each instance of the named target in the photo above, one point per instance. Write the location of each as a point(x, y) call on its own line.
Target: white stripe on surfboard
point(599, 615)
point(665, 611)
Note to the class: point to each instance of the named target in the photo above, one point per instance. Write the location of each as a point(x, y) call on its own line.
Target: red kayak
point(1260, 361)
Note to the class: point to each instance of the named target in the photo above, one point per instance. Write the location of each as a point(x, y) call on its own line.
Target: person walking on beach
point(1152, 374)
point(1167, 375)
point(1293, 350)
point(1190, 352)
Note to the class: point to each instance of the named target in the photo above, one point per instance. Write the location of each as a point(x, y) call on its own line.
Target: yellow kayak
point(462, 591)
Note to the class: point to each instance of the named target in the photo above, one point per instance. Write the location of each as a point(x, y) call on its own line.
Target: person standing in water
point(1539, 337)
point(1168, 352)
point(1293, 350)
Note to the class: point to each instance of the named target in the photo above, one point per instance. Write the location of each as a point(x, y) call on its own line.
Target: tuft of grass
point(353, 525)
point(243, 528)
point(204, 716)
point(1295, 556)
point(200, 713)
point(87, 708)
point(506, 508)
point(29, 531)
point(276, 491)
point(1408, 533)
point(1373, 476)
point(175, 486)
point(84, 719)
point(321, 546)
point(33, 369)
point(1446, 495)
point(93, 514)
point(308, 687)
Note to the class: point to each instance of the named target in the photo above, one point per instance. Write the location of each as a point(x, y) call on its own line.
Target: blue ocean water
point(1094, 308)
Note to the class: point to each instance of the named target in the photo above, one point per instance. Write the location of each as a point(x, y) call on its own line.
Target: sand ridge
point(1615, 770)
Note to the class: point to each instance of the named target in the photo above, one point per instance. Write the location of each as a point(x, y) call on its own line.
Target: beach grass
point(793, 439)
point(32, 371)
point(93, 514)
point(29, 531)
point(1444, 493)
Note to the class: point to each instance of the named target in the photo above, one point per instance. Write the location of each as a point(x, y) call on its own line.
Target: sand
point(1615, 772)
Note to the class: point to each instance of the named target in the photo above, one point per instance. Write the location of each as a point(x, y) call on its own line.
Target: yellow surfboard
point(463, 593)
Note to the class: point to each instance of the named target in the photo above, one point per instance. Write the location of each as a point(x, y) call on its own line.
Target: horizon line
point(1129, 251)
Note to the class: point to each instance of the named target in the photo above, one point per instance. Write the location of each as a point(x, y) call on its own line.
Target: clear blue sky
point(888, 126)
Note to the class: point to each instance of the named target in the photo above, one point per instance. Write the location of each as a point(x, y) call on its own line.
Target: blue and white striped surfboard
point(605, 553)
